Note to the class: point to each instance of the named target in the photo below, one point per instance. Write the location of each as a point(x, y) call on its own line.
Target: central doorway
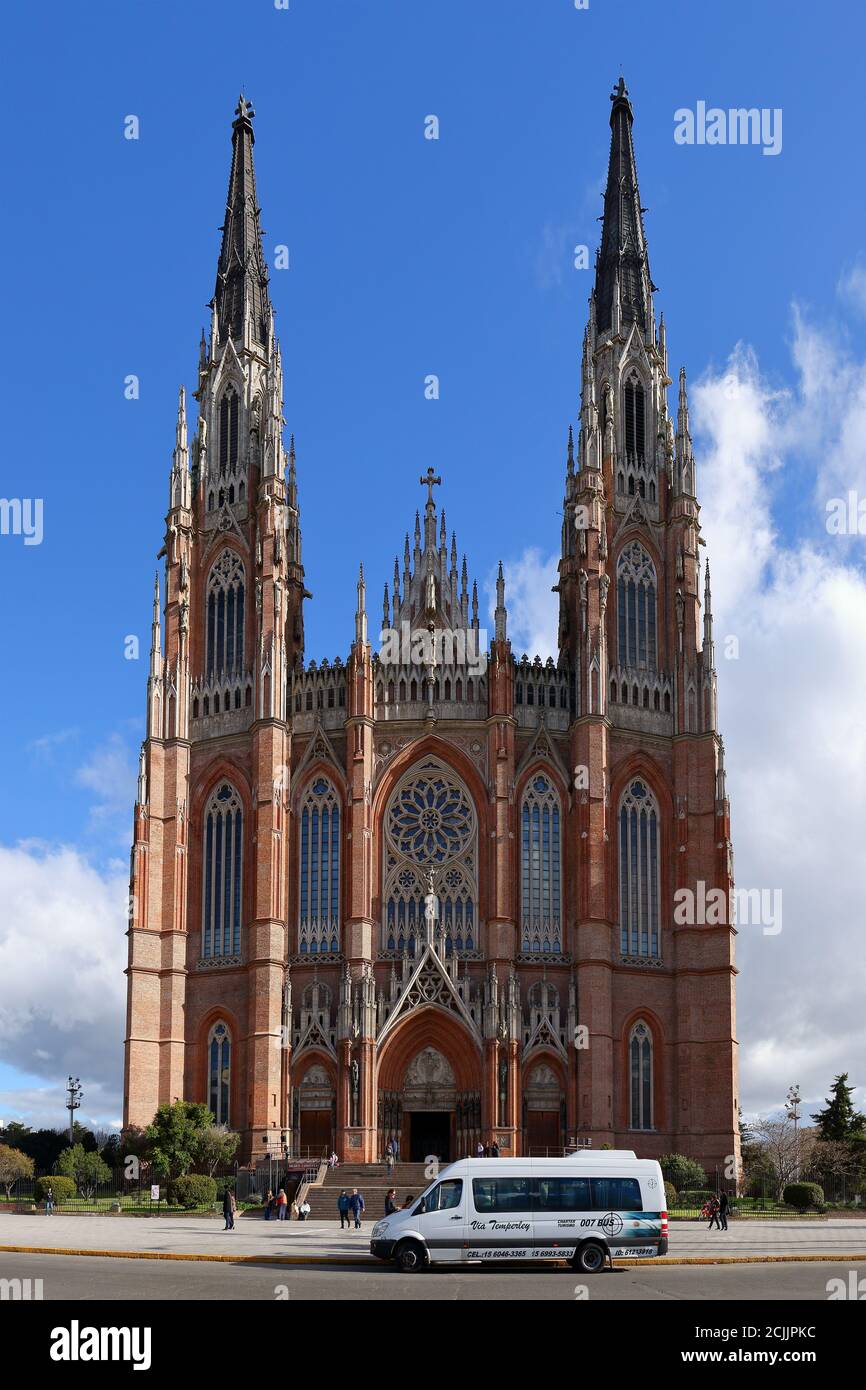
point(429, 1134)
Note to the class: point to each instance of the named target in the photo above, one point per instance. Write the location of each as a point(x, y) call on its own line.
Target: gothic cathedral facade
point(427, 892)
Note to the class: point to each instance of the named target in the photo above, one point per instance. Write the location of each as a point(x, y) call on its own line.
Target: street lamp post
point(76, 1095)
point(792, 1106)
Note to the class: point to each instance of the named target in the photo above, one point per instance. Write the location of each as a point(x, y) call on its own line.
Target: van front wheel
point(410, 1258)
point(590, 1258)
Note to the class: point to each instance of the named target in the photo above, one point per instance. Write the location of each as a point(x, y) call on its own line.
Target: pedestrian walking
point(269, 1202)
point(49, 1200)
point(713, 1206)
point(294, 1211)
point(357, 1207)
point(282, 1203)
point(230, 1206)
point(723, 1210)
point(494, 1150)
point(343, 1209)
point(479, 1149)
point(391, 1201)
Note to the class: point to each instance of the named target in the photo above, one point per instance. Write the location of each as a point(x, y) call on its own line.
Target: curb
point(349, 1261)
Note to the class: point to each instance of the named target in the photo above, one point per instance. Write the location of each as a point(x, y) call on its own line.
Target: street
point(67, 1277)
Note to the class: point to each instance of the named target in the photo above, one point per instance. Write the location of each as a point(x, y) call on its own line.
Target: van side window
point(615, 1194)
point(501, 1194)
point(561, 1194)
point(445, 1196)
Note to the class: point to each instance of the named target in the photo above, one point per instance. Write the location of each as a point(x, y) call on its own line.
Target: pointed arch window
point(219, 1062)
point(636, 608)
point(319, 894)
point(222, 894)
point(229, 414)
point(430, 826)
point(640, 1060)
point(639, 872)
point(634, 419)
point(541, 874)
point(225, 615)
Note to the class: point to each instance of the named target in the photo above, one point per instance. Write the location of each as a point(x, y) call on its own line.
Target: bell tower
point(217, 718)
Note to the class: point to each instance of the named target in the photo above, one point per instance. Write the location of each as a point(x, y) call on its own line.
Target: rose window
point(430, 827)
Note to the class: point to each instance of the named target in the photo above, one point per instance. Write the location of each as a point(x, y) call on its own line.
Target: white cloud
point(62, 987)
point(852, 287)
point(111, 774)
point(791, 705)
point(532, 608)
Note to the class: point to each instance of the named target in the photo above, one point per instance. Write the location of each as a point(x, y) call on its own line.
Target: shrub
point(670, 1195)
point(695, 1197)
point(62, 1187)
point(803, 1194)
point(192, 1190)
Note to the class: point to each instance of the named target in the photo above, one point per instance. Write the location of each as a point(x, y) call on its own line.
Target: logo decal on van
point(611, 1224)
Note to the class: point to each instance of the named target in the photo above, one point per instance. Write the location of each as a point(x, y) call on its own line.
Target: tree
point(683, 1172)
point(839, 1120)
point(175, 1135)
point(13, 1165)
point(216, 1147)
point(85, 1167)
point(781, 1151)
point(14, 1134)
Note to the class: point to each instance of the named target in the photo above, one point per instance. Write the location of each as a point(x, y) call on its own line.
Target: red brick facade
point(544, 1011)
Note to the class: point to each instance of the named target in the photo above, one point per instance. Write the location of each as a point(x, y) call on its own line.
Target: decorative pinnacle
point(244, 109)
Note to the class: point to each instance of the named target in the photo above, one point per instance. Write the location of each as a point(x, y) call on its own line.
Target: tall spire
point(622, 268)
point(242, 275)
point(361, 611)
point(501, 614)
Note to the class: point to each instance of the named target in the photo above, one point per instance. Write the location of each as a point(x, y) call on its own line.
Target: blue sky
point(408, 257)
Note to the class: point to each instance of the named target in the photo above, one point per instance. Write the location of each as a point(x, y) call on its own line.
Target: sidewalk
point(315, 1242)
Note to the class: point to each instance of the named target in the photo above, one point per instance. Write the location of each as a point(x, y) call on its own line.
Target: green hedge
point(193, 1190)
point(670, 1195)
point(63, 1188)
point(695, 1197)
point(803, 1195)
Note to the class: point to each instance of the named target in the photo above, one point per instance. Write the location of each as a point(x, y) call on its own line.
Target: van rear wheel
point(410, 1257)
point(590, 1258)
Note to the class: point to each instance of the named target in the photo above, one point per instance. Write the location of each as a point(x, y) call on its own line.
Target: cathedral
point(425, 891)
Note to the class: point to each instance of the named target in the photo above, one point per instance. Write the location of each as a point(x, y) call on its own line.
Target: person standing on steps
point(391, 1201)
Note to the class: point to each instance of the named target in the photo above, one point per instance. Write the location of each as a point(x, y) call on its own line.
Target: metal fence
point(146, 1194)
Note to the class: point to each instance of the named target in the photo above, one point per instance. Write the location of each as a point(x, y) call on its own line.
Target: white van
point(586, 1208)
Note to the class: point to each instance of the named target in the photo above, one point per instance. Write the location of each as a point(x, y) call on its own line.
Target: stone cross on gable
point(430, 481)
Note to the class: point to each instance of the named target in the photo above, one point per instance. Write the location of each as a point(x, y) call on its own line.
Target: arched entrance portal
point(430, 1091)
point(543, 1111)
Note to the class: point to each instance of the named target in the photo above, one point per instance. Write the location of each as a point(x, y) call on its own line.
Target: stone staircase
point(372, 1181)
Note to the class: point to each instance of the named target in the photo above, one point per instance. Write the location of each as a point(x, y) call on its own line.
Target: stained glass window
point(639, 872)
point(636, 607)
point(319, 895)
point(219, 1072)
point(225, 615)
point(430, 824)
point(641, 1078)
point(540, 876)
point(223, 873)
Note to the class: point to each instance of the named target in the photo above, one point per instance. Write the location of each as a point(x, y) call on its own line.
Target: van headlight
point(377, 1230)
